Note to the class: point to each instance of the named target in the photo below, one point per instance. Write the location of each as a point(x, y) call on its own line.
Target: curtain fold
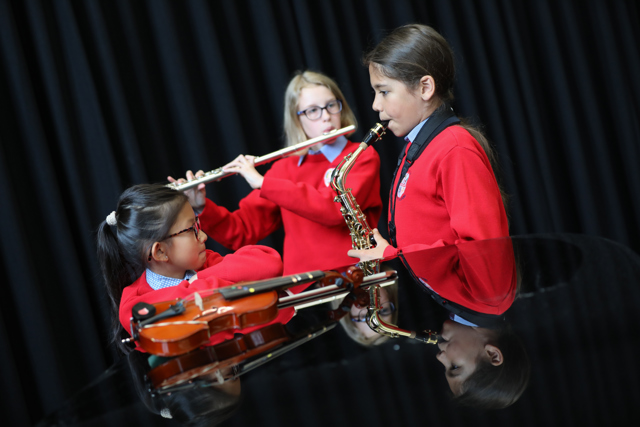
point(101, 95)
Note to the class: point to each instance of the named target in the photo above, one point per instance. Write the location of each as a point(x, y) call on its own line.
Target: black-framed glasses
point(196, 230)
point(386, 309)
point(314, 113)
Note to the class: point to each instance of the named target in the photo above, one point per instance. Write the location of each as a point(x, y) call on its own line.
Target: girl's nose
point(376, 105)
point(202, 236)
point(326, 116)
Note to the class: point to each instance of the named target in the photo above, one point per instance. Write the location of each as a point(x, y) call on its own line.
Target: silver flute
point(218, 174)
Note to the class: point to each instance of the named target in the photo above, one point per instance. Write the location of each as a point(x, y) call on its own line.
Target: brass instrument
point(361, 234)
point(218, 174)
point(381, 327)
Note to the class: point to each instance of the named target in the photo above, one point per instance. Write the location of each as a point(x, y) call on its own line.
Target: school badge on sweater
point(327, 176)
point(403, 186)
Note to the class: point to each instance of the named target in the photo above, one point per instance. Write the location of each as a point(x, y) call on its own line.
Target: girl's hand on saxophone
point(371, 254)
point(198, 195)
point(244, 165)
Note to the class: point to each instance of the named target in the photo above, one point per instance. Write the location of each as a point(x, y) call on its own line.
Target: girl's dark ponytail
point(144, 215)
point(114, 273)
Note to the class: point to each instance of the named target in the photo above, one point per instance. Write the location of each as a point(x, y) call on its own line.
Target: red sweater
point(249, 263)
point(449, 195)
point(299, 198)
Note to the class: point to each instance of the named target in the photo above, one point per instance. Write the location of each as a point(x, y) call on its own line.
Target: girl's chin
point(202, 259)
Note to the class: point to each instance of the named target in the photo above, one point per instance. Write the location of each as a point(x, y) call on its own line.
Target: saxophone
point(361, 234)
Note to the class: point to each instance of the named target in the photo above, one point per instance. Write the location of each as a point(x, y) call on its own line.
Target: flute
point(218, 174)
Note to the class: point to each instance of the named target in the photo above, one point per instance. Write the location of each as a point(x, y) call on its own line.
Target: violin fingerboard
point(240, 290)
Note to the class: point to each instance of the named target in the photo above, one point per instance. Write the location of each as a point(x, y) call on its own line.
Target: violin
point(190, 324)
point(184, 325)
point(218, 360)
point(232, 358)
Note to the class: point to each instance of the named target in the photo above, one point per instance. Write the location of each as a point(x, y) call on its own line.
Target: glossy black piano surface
point(575, 312)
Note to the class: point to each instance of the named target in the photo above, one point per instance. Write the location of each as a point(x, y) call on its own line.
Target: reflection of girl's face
point(364, 329)
point(460, 352)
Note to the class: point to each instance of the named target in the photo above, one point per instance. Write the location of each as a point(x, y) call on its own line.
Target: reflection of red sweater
point(249, 263)
point(478, 275)
point(298, 197)
point(451, 195)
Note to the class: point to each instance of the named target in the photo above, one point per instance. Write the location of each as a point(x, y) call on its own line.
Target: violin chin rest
point(142, 311)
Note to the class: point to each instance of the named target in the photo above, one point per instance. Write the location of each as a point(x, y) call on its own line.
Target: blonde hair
point(293, 131)
point(354, 333)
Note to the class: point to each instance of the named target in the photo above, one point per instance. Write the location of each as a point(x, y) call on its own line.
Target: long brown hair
point(496, 387)
point(413, 51)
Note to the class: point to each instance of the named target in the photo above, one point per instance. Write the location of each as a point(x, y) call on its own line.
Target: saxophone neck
point(339, 175)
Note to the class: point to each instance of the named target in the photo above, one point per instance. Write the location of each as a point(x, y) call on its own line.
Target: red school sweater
point(300, 199)
point(247, 264)
point(449, 195)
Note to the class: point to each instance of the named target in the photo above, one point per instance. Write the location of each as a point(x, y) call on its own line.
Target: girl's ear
point(427, 88)
point(159, 252)
point(494, 354)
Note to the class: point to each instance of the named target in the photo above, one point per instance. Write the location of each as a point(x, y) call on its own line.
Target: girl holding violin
point(152, 249)
point(295, 192)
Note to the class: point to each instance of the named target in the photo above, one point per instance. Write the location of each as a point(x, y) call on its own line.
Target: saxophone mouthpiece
point(429, 337)
point(376, 132)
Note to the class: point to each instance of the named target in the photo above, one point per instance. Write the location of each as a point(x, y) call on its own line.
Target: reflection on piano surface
point(573, 308)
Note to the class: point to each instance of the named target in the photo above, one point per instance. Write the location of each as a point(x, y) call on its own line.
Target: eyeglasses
point(386, 309)
point(314, 113)
point(196, 230)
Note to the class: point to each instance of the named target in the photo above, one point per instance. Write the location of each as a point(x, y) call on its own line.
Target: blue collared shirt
point(414, 132)
point(460, 320)
point(157, 281)
point(329, 151)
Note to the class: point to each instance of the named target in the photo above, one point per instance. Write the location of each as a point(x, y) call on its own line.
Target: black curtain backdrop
point(99, 95)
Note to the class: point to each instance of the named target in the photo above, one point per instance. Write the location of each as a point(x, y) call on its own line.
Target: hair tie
point(111, 218)
point(166, 413)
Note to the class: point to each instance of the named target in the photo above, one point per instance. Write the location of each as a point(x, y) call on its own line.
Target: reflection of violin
point(217, 360)
point(182, 326)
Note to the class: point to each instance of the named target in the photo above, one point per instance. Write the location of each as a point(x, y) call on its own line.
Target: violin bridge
point(198, 301)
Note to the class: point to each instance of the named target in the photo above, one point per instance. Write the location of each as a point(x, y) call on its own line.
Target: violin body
point(219, 359)
point(199, 321)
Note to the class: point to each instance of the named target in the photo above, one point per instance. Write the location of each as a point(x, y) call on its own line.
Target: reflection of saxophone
point(377, 324)
point(361, 234)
